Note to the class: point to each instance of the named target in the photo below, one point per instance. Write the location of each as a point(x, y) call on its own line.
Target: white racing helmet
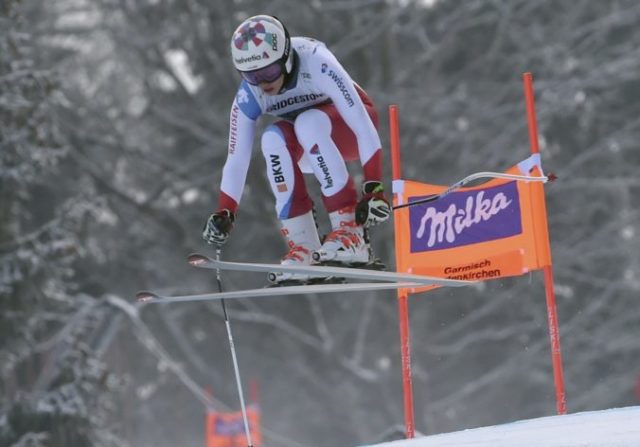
point(261, 49)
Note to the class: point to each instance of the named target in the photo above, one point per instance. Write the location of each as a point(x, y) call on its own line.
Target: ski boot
point(302, 238)
point(299, 255)
point(347, 245)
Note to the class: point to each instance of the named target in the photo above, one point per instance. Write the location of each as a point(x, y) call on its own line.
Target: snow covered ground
point(609, 428)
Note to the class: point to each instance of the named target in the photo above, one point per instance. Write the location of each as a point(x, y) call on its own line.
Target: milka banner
point(476, 233)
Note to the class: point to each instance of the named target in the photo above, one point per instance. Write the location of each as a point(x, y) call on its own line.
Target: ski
point(202, 261)
point(152, 297)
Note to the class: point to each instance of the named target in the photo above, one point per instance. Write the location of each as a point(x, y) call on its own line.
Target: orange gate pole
point(552, 312)
point(403, 295)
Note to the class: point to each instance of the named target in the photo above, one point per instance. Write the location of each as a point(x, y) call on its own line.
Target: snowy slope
point(610, 428)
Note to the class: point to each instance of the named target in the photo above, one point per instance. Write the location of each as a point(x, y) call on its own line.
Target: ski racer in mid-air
point(326, 119)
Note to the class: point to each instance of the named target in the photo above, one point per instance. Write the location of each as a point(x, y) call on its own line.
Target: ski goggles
point(265, 74)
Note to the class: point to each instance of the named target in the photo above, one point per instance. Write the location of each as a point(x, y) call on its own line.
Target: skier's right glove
point(373, 208)
point(218, 226)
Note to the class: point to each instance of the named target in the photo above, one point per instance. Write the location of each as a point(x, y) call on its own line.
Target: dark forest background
point(113, 127)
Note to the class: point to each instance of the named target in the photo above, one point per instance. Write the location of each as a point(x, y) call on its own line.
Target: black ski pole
point(233, 353)
point(479, 175)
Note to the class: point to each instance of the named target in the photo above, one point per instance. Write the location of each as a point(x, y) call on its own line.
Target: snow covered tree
point(455, 70)
point(54, 390)
point(114, 128)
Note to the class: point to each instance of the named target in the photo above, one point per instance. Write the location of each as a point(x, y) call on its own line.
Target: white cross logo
point(243, 96)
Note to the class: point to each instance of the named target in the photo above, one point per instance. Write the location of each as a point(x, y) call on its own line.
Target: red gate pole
point(403, 295)
point(552, 313)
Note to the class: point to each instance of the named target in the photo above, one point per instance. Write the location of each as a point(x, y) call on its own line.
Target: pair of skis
point(378, 280)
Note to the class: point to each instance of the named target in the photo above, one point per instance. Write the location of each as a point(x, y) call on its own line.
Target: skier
point(326, 119)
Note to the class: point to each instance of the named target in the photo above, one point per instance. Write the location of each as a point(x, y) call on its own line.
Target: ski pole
point(476, 176)
point(233, 353)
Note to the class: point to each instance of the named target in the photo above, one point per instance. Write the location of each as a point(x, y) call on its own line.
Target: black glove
point(218, 226)
point(373, 208)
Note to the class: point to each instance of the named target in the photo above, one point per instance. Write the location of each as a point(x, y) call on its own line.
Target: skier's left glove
point(218, 226)
point(373, 208)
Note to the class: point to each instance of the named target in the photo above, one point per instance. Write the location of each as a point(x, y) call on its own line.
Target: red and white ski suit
point(326, 119)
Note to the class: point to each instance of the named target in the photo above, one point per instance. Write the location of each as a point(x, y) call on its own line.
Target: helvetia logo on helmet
point(252, 58)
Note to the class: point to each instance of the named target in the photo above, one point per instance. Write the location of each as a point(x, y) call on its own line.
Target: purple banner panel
point(464, 218)
point(229, 426)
